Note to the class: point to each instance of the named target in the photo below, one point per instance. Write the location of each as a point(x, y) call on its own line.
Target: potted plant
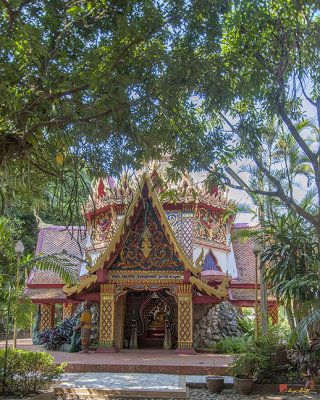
point(215, 383)
point(244, 369)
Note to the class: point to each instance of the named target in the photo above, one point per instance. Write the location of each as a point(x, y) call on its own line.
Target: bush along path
point(62, 337)
point(26, 372)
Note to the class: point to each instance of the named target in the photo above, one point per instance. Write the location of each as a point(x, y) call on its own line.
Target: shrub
point(261, 360)
point(27, 371)
point(53, 339)
point(248, 364)
point(280, 331)
point(232, 345)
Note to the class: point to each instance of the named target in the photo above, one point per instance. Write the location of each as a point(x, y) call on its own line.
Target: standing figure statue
point(134, 327)
point(85, 325)
point(167, 343)
point(36, 327)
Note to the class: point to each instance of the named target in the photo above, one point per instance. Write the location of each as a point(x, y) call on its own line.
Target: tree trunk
point(290, 315)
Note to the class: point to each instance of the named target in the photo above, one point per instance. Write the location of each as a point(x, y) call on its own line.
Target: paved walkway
point(131, 381)
point(138, 361)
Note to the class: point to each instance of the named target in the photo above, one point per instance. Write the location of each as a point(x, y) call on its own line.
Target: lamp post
point(18, 250)
point(256, 248)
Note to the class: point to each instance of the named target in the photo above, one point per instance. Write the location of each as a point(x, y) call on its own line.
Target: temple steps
point(101, 394)
point(150, 343)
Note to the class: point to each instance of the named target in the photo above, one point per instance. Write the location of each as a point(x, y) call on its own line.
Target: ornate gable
point(133, 246)
point(146, 246)
point(147, 250)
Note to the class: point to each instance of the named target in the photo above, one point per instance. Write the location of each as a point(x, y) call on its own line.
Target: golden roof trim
point(122, 191)
point(143, 272)
point(69, 290)
point(163, 220)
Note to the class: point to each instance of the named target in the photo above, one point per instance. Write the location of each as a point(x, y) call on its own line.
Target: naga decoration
point(221, 292)
point(199, 262)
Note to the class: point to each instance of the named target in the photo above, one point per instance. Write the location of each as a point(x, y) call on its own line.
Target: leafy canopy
point(269, 67)
point(99, 84)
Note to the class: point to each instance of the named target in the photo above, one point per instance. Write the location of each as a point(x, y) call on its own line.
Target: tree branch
point(309, 153)
point(245, 187)
point(91, 118)
point(279, 192)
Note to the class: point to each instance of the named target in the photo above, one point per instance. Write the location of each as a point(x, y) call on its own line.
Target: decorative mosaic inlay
point(187, 235)
point(68, 309)
point(124, 287)
point(273, 313)
point(185, 334)
point(175, 221)
point(107, 315)
point(47, 316)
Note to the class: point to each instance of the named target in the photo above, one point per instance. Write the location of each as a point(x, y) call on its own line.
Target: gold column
point(68, 310)
point(185, 319)
point(47, 316)
point(107, 316)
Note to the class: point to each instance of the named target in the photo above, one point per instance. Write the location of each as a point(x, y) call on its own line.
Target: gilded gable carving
point(210, 228)
point(105, 227)
point(146, 247)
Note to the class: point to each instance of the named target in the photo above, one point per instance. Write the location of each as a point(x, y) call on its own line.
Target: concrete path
point(131, 381)
point(115, 385)
point(123, 381)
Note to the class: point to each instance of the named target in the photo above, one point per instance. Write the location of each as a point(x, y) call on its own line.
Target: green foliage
point(88, 87)
point(268, 348)
point(259, 360)
point(268, 98)
point(279, 332)
point(247, 365)
point(21, 306)
point(27, 372)
point(292, 255)
point(232, 345)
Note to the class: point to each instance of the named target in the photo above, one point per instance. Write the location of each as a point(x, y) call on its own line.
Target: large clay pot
point(215, 383)
point(243, 385)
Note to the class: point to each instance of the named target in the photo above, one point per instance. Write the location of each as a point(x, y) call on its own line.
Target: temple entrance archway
point(116, 302)
point(147, 312)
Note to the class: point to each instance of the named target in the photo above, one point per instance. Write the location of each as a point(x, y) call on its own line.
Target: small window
point(210, 263)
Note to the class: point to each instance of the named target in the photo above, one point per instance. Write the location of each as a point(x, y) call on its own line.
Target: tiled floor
point(141, 360)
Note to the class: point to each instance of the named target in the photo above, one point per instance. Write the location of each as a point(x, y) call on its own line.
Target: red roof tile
point(245, 261)
point(247, 294)
point(56, 239)
point(45, 293)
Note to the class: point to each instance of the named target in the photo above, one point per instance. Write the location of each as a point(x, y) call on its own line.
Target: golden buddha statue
point(159, 316)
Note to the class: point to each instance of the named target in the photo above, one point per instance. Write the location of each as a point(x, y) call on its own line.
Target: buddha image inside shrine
point(159, 272)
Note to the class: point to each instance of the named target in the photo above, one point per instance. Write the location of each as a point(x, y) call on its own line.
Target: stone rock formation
point(219, 321)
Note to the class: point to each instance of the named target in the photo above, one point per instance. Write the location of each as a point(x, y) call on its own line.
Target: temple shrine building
point(150, 263)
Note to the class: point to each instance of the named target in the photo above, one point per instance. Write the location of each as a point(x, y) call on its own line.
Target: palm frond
point(300, 333)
